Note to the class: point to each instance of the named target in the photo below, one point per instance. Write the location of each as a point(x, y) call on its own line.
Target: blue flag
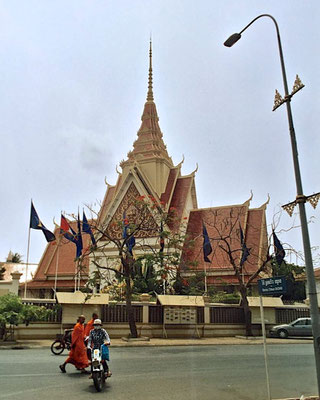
point(207, 249)
point(129, 239)
point(86, 228)
point(35, 223)
point(245, 251)
point(79, 243)
point(278, 249)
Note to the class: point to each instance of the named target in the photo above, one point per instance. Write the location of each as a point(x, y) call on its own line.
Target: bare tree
point(138, 231)
point(248, 256)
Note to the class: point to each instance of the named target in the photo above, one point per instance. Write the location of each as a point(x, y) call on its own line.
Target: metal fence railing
point(156, 314)
point(226, 315)
point(118, 313)
point(286, 315)
point(200, 315)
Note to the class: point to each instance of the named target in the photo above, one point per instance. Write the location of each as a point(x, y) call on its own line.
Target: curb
point(159, 342)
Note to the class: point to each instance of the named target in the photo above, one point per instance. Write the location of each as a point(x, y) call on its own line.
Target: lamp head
point(232, 40)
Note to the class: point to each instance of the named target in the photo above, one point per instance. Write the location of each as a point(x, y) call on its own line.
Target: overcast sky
point(74, 81)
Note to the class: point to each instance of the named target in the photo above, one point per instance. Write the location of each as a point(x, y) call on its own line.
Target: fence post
point(145, 299)
point(206, 309)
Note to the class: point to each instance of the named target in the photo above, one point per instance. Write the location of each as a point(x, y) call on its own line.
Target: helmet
point(97, 322)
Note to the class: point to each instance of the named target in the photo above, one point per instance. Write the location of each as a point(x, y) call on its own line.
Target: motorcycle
point(62, 342)
point(98, 375)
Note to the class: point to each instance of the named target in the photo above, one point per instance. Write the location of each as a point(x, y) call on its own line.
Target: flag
point(79, 243)
point(207, 249)
point(66, 230)
point(278, 249)
point(70, 234)
point(245, 251)
point(129, 239)
point(161, 238)
point(35, 223)
point(86, 228)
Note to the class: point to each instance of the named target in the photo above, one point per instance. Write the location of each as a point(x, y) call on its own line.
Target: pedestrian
point(89, 326)
point(99, 339)
point(78, 353)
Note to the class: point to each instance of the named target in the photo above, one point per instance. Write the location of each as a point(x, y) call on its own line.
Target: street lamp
point(300, 198)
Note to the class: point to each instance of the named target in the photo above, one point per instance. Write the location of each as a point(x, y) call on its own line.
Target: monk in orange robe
point(78, 353)
point(89, 325)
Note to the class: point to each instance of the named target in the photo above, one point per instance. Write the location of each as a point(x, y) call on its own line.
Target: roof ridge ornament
point(181, 162)
point(264, 205)
point(117, 171)
point(247, 202)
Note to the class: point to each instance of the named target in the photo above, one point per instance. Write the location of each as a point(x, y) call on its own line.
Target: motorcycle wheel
point(57, 347)
point(97, 380)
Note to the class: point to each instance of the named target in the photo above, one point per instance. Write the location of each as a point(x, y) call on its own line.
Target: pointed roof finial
point(150, 91)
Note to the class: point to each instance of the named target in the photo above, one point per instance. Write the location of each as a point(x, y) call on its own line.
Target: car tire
point(283, 334)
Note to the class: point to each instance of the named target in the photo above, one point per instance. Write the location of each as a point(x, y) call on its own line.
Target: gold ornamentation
point(289, 207)
point(297, 85)
point(146, 222)
point(278, 100)
point(314, 199)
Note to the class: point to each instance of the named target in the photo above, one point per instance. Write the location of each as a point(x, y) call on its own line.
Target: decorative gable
point(131, 205)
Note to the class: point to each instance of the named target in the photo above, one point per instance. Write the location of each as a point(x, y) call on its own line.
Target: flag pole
point(75, 276)
point(57, 264)
point(205, 279)
point(27, 265)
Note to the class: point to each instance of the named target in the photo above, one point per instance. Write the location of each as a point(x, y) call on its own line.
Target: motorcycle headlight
point(95, 353)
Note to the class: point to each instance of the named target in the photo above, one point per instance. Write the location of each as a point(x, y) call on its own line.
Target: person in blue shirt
point(98, 337)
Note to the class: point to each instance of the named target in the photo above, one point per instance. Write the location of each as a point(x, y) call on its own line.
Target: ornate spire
point(149, 144)
point(150, 91)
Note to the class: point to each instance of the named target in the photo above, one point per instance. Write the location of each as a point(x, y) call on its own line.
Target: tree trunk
point(246, 310)
point(131, 320)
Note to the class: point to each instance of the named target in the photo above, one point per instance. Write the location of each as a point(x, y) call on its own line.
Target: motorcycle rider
point(98, 337)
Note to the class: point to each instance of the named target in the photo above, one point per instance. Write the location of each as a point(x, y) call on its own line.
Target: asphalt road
point(177, 373)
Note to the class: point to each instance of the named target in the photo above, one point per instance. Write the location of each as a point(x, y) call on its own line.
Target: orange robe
point(88, 328)
point(78, 353)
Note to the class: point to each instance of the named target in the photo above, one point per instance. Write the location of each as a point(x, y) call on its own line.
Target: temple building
point(149, 173)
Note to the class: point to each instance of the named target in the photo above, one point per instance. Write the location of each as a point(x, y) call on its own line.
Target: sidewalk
point(238, 340)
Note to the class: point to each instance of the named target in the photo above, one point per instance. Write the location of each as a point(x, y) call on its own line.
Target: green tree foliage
point(146, 279)
point(13, 312)
point(295, 289)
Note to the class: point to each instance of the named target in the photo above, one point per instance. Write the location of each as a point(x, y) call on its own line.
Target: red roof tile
point(64, 254)
point(165, 196)
point(222, 223)
point(179, 199)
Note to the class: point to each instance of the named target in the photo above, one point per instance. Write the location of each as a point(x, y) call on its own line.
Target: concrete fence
point(212, 320)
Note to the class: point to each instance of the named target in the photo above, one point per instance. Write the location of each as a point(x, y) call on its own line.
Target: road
point(175, 372)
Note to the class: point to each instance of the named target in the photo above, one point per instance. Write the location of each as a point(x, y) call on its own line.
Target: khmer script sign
point(275, 285)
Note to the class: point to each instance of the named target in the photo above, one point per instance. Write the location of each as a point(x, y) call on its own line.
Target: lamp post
point(300, 198)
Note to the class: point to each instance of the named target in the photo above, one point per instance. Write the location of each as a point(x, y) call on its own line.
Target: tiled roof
point(223, 222)
point(45, 284)
point(179, 199)
point(166, 195)
point(64, 254)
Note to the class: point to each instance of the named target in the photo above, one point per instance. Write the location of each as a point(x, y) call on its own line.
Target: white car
point(299, 327)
